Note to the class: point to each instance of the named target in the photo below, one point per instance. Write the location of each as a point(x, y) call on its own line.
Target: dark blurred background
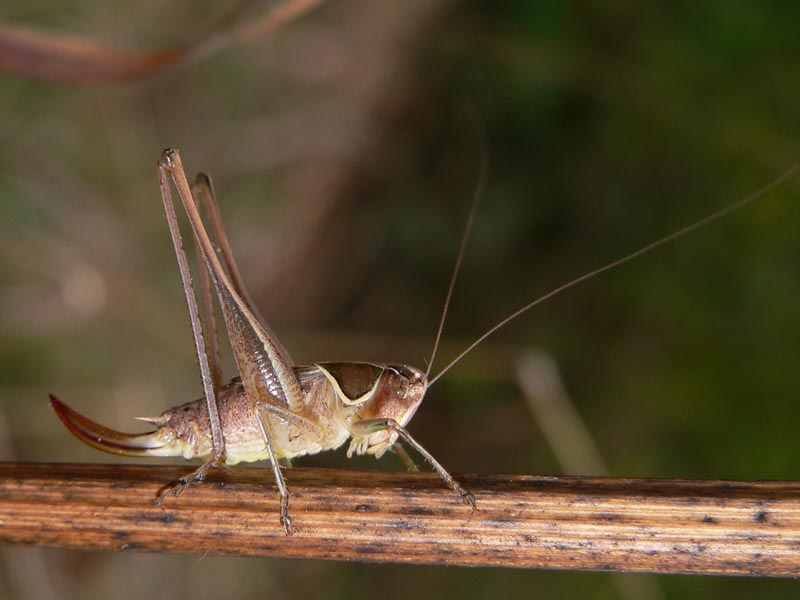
point(345, 157)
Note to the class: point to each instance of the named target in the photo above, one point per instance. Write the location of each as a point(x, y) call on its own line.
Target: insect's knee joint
point(167, 160)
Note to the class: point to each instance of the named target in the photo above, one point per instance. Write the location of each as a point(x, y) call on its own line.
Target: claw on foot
point(286, 520)
point(176, 488)
point(173, 488)
point(467, 498)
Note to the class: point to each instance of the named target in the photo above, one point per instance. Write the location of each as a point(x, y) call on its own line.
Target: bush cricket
point(275, 410)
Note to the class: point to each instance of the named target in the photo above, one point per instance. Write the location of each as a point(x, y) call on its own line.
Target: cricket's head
point(399, 393)
point(376, 392)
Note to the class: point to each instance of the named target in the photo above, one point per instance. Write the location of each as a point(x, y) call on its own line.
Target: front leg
point(369, 426)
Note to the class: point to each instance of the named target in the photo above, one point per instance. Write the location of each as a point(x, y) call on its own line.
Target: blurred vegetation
point(344, 161)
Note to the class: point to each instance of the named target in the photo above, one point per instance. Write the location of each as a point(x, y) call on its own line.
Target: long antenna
point(479, 187)
point(676, 234)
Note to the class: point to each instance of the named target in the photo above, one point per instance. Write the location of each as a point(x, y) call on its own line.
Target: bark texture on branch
point(663, 526)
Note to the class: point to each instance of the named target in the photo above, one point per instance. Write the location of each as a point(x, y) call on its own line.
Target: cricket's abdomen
point(240, 430)
point(307, 433)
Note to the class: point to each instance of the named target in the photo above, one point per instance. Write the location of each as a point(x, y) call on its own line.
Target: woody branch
point(583, 523)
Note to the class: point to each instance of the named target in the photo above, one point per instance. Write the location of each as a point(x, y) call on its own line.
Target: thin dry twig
point(561, 423)
point(664, 526)
point(73, 60)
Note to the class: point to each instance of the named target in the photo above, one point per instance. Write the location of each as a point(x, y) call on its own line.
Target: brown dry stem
point(626, 525)
point(73, 60)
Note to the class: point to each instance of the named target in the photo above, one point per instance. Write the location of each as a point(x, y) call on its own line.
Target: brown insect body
point(336, 395)
point(274, 410)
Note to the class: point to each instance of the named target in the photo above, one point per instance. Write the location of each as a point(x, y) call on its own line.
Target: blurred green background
point(345, 160)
